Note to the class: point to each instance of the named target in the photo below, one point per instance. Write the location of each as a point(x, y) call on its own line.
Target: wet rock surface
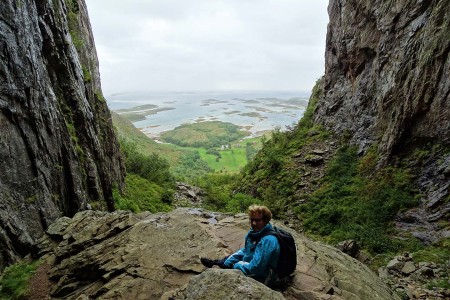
point(148, 256)
point(58, 151)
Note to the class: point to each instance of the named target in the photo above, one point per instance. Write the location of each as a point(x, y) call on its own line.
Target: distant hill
point(126, 130)
point(204, 134)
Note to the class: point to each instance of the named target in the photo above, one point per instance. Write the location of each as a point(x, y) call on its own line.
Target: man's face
point(257, 222)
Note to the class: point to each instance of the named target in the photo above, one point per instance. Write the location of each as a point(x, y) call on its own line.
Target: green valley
point(205, 146)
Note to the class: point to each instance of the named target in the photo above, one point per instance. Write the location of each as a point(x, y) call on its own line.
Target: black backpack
point(288, 252)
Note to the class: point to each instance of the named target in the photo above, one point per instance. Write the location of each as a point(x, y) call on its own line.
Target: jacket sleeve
point(234, 258)
point(266, 252)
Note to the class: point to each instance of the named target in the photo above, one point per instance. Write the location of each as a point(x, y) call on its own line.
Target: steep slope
point(125, 130)
point(58, 152)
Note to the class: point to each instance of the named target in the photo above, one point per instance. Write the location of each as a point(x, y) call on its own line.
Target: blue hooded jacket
point(256, 259)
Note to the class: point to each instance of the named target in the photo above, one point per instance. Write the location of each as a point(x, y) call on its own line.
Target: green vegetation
point(151, 167)
point(437, 253)
point(142, 195)
point(149, 185)
point(86, 75)
point(188, 163)
point(350, 205)
point(230, 160)
point(273, 175)
point(74, 29)
point(191, 166)
point(149, 181)
point(15, 278)
point(220, 195)
point(353, 200)
point(128, 133)
point(204, 134)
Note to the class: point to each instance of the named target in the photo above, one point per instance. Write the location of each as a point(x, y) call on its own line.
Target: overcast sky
point(209, 45)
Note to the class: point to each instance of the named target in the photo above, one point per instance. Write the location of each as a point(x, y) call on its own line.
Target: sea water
point(256, 112)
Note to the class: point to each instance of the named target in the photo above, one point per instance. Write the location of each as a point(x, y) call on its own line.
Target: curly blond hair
point(260, 209)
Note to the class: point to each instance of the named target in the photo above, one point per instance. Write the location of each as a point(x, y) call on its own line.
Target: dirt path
point(40, 284)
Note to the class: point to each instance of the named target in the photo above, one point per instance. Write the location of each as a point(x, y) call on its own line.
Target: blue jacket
point(256, 260)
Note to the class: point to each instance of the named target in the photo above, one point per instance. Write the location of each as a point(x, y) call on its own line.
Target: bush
point(220, 193)
point(151, 167)
point(240, 202)
point(191, 166)
point(141, 194)
point(149, 184)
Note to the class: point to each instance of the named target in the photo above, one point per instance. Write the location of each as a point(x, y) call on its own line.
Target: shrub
point(240, 202)
point(151, 167)
point(149, 184)
point(141, 194)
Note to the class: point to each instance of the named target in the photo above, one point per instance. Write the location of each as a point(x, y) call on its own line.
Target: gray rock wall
point(387, 83)
point(58, 151)
point(387, 72)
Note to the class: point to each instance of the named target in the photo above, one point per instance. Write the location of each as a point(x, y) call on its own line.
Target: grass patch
point(15, 278)
point(230, 160)
point(438, 253)
point(352, 206)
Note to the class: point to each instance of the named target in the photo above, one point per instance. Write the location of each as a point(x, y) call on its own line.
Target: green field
point(231, 160)
point(213, 135)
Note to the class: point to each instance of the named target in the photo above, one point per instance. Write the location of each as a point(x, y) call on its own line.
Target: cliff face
point(58, 152)
point(387, 76)
point(387, 84)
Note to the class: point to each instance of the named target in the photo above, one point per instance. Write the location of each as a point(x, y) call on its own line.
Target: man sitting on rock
point(261, 252)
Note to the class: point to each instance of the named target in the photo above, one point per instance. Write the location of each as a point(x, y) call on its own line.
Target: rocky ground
point(148, 256)
point(412, 280)
point(123, 248)
point(409, 279)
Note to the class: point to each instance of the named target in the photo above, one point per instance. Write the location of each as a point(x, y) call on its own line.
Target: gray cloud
point(194, 45)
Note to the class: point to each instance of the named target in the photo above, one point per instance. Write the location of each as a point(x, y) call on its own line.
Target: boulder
point(408, 268)
point(349, 247)
point(122, 255)
point(210, 285)
point(395, 264)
